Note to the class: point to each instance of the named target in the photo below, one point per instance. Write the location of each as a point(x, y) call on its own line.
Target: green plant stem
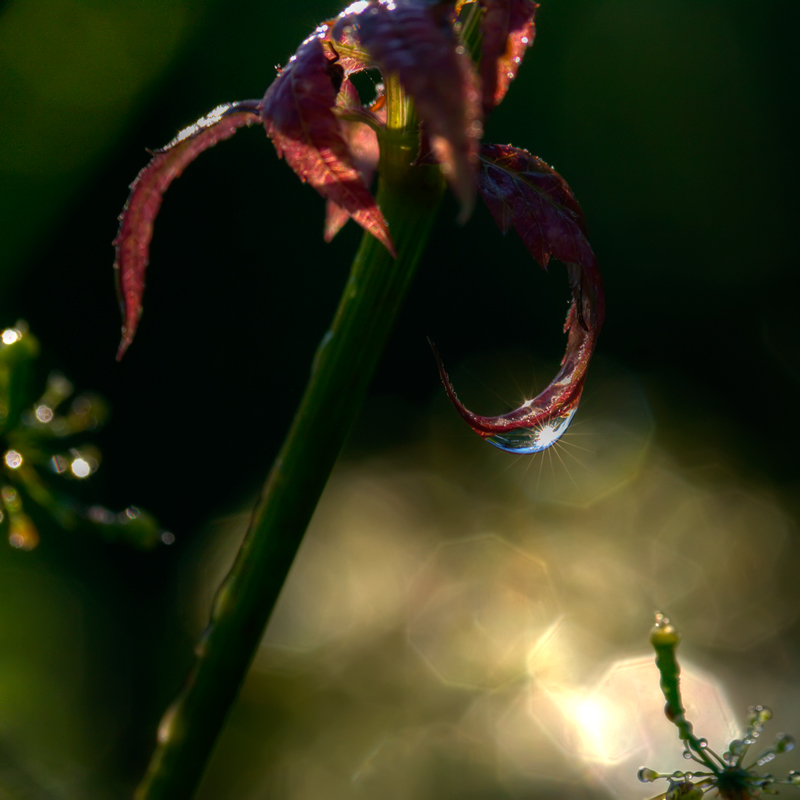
point(341, 372)
point(665, 639)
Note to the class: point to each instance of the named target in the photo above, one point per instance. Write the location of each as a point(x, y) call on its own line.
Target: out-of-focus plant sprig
point(728, 774)
point(38, 442)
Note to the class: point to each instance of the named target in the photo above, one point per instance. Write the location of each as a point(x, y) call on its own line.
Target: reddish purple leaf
point(362, 141)
point(521, 190)
point(298, 112)
point(136, 221)
point(335, 219)
point(415, 41)
point(508, 28)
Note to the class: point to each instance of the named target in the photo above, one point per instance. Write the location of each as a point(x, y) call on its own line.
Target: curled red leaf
point(136, 220)
point(415, 41)
point(298, 113)
point(508, 29)
point(524, 192)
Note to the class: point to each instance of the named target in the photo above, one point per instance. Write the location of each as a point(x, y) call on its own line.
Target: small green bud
point(663, 633)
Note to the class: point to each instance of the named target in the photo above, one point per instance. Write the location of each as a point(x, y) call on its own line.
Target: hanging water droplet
point(646, 775)
point(525, 441)
point(794, 777)
point(784, 742)
point(702, 743)
point(766, 758)
point(687, 754)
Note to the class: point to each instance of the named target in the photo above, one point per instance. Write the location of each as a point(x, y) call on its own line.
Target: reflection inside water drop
point(525, 441)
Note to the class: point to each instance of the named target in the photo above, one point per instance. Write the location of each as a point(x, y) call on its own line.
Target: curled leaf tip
point(522, 192)
point(533, 427)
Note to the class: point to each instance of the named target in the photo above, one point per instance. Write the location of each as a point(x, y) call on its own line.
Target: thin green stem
point(664, 639)
point(341, 372)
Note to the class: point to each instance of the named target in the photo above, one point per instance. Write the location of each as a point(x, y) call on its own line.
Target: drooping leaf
point(363, 143)
point(298, 112)
point(524, 192)
point(508, 29)
point(415, 41)
point(136, 221)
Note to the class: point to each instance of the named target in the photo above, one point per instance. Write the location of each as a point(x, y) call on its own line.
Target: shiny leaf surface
point(508, 28)
point(136, 221)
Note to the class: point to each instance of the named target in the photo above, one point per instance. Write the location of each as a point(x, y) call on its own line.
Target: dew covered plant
point(444, 66)
point(437, 96)
point(733, 774)
point(43, 449)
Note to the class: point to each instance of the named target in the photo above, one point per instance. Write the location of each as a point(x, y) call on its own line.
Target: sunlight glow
point(547, 435)
point(592, 719)
point(11, 335)
point(525, 441)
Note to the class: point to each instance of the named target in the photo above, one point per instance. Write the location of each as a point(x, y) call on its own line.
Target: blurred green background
point(460, 623)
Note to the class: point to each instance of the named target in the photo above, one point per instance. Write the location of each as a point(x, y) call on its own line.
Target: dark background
point(672, 122)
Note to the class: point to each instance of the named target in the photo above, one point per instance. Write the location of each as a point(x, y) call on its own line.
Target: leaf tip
point(123, 346)
point(389, 245)
point(467, 207)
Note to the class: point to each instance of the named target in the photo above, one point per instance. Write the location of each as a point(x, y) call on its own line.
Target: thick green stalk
point(341, 372)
